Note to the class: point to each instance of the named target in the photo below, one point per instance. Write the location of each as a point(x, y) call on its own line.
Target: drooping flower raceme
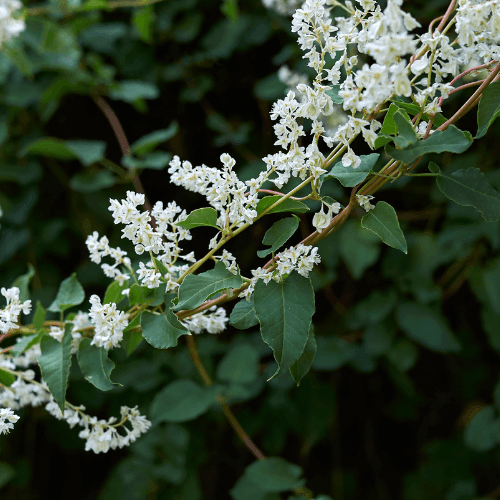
point(10, 25)
point(10, 315)
point(7, 420)
point(109, 323)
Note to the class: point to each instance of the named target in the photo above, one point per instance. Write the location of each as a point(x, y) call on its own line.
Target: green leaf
point(39, 317)
point(278, 234)
point(285, 310)
point(469, 187)
point(181, 401)
point(230, 9)
point(482, 432)
point(89, 182)
point(131, 90)
point(156, 160)
point(148, 142)
point(333, 93)
point(200, 217)
point(240, 364)
point(6, 378)
point(47, 146)
point(95, 365)
point(383, 221)
point(140, 294)
point(95, 4)
point(70, 294)
point(22, 283)
point(27, 342)
point(114, 291)
point(300, 368)
point(194, 290)
point(162, 330)
point(245, 489)
point(287, 206)
point(275, 474)
point(414, 109)
point(452, 139)
point(87, 152)
point(359, 248)
point(55, 362)
point(243, 315)
point(350, 177)
point(143, 19)
point(7, 473)
point(403, 355)
point(488, 109)
point(332, 353)
point(426, 327)
point(389, 127)
point(406, 133)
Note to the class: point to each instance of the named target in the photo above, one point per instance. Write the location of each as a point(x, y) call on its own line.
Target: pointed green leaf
point(87, 152)
point(131, 90)
point(114, 292)
point(389, 127)
point(426, 327)
point(452, 139)
point(70, 294)
point(488, 109)
point(414, 109)
point(275, 474)
point(22, 283)
point(243, 315)
point(55, 362)
point(481, 433)
point(406, 133)
point(300, 368)
point(95, 365)
point(240, 364)
point(140, 294)
point(469, 187)
point(6, 378)
point(383, 221)
point(350, 177)
point(39, 317)
point(91, 182)
point(162, 330)
point(48, 146)
point(287, 206)
point(194, 290)
point(27, 342)
point(278, 234)
point(181, 401)
point(148, 142)
point(201, 217)
point(285, 310)
point(333, 93)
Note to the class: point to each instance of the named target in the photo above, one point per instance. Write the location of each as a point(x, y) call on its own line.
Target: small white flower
point(364, 201)
point(7, 420)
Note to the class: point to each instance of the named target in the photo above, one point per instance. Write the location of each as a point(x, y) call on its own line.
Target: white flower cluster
point(163, 241)
point(283, 7)
point(10, 26)
point(99, 248)
point(229, 260)
point(478, 28)
point(109, 323)
point(81, 320)
point(10, 315)
point(222, 188)
point(102, 435)
point(321, 220)
point(364, 201)
point(24, 393)
point(301, 258)
point(213, 320)
point(7, 420)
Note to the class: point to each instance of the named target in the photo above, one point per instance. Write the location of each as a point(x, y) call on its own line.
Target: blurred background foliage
point(402, 401)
